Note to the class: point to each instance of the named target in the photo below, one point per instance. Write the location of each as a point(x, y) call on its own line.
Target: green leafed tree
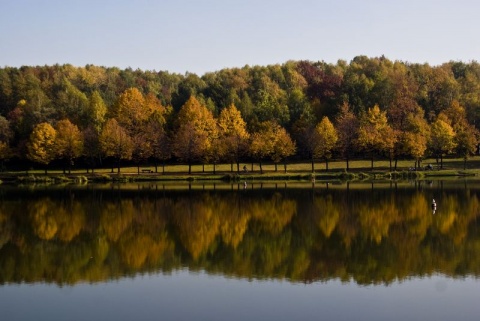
point(96, 112)
point(6, 136)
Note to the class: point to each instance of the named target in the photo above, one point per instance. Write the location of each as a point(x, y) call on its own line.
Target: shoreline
point(356, 175)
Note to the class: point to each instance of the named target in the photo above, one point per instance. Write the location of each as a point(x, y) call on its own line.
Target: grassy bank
point(358, 170)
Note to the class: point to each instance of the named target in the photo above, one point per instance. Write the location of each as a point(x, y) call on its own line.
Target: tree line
point(368, 108)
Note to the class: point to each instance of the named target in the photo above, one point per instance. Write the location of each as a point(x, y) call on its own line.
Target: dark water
point(221, 252)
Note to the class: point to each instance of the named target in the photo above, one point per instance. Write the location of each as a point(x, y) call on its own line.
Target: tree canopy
point(389, 108)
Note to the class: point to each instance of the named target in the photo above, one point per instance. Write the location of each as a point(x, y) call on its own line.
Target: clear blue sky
point(208, 35)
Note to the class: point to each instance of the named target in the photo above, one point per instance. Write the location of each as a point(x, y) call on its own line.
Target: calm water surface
point(221, 252)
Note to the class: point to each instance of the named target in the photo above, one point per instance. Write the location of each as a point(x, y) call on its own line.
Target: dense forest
point(370, 108)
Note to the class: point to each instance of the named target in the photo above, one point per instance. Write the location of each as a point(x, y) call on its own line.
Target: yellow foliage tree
point(442, 139)
point(69, 141)
point(115, 142)
point(271, 141)
point(233, 133)
point(41, 145)
point(283, 146)
point(196, 130)
point(131, 110)
point(326, 139)
point(375, 134)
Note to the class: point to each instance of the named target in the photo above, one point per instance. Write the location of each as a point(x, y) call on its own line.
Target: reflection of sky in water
point(197, 296)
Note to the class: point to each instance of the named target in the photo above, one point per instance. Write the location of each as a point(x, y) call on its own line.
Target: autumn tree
point(271, 141)
point(375, 134)
point(196, 129)
point(405, 115)
point(115, 142)
point(41, 145)
point(142, 146)
point(130, 109)
point(283, 146)
point(91, 144)
point(414, 139)
point(261, 144)
point(466, 135)
point(347, 125)
point(233, 134)
point(68, 142)
point(159, 140)
point(327, 138)
point(442, 139)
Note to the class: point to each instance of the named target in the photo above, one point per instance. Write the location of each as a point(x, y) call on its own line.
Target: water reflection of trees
point(369, 236)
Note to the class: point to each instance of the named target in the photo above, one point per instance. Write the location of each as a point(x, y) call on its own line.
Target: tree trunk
point(285, 165)
point(326, 164)
point(189, 168)
point(464, 163)
point(276, 169)
point(261, 169)
point(138, 169)
point(231, 167)
point(372, 162)
point(313, 165)
point(390, 164)
point(214, 168)
point(348, 164)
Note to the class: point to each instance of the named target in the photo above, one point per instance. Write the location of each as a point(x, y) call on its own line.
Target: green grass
point(358, 170)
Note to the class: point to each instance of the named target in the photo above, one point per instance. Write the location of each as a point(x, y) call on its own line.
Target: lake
point(217, 251)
